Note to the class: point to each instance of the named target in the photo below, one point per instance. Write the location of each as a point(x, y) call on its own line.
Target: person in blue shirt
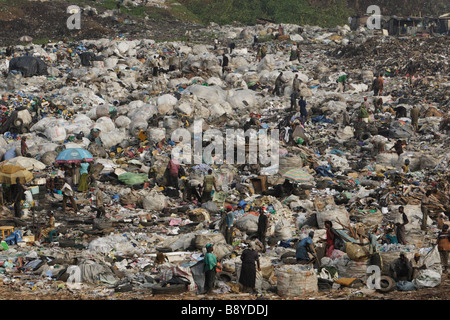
point(390, 237)
point(83, 185)
point(304, 247)
point(229, 221)
point(210, 268)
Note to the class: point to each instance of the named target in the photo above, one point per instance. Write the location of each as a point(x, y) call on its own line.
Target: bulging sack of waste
point(105, 124)
point(155, 201)
point(242, 98)
point(247, 223)
point(387, 159)
point(55, 133)
point(112, 138)
point(296, 280)
point(428, 279)
point(102, 111)
point(49, 158)
point(211, 207)
point(166, 100)
point(283, 230)
point(212, 94)
point(401, 130)
point(184, 108)
point(357, 252)
point(222, 250)
point(349, 268)
point(155, 135)
point(137, 125)
point(201, 240)
point(198, 215)
point(122, 122)
point(334, 215)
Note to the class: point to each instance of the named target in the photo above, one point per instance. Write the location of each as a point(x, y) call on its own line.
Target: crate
point(34, 190)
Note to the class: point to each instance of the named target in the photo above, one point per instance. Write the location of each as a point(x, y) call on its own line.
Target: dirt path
point(11, 292)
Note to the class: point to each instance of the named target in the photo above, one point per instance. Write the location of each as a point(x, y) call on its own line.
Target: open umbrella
point(26, 163)
point(9, 174)
point(74, 155)
point(297, 175)
point(26, 39)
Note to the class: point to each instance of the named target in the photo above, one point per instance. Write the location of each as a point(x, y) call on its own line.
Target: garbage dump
point(97, 199)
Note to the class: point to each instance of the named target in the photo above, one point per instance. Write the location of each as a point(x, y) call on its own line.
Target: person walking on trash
point(415, 117)
point(173, 172)
point(226, 224)
point(303, 110)
point(68, 193)
point(279, 81)
point(263, 225)
point(250, 261)
point(209, 182)
point(417, 265)
point(363, 114)
point(210, 268)
point(378, 85)
point(83, 184)
point(398, 146)
point(24, 147)
point(296, 83)
point(424, 202)
point(443, 243)
point(400, 233)
point(18, 194)
point(341, 81)
point(49, 228)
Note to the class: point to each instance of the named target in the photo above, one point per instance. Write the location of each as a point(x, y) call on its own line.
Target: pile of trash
point(125, 100)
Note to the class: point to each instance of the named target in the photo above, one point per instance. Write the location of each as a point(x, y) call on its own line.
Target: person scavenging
point(250, 261)
point(210, 268)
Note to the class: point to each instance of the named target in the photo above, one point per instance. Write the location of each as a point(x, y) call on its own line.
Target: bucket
point(4, 245)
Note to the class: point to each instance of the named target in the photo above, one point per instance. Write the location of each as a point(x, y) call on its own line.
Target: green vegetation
point(41, 41)
point(281, 11)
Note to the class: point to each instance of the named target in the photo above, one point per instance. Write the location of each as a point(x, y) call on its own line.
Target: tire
point(290, 254)
point(78, 100)
point(18, 123)
point(224, 276)
point(172, 289)
point(387, 284)
point(290, 260)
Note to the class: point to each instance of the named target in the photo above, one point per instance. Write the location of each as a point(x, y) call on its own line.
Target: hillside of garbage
point(121, 98)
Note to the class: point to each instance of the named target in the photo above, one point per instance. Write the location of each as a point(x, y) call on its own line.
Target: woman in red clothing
point(330, 238)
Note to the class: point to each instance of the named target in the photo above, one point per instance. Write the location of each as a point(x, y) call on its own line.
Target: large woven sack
point(130, 198)
point(201, 240)
point(198, 215)
point(222, 249)
point(247, 223)
point(334, 215)
point(349, 268)
point(154, 201)
point(296, 280)
point(357, 252)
